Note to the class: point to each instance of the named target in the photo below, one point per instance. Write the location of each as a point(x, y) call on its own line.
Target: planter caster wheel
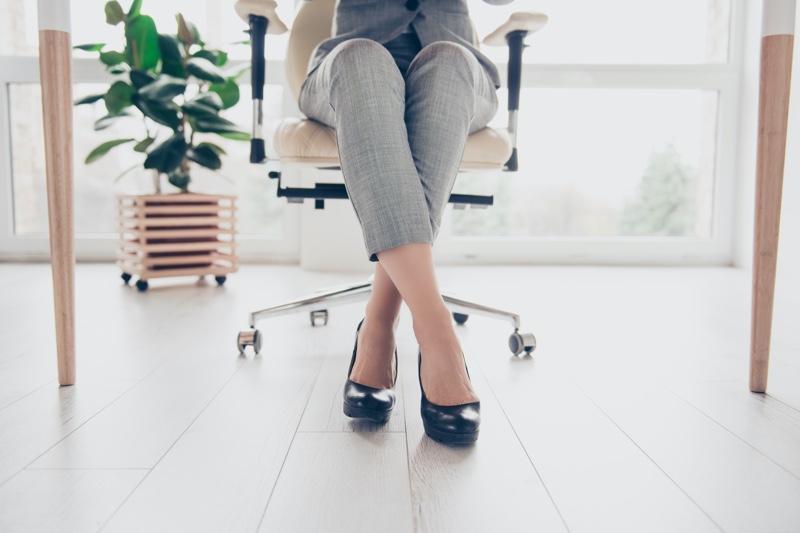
point(323, 314)
point(142, 285)
point(460, 318)
point(220, 280)
point(252, 338)
point(521, 342)
point(126, 277)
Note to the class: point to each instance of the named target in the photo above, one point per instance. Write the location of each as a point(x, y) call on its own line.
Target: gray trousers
point(402, 115)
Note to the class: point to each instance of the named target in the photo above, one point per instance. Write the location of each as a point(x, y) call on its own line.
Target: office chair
point(309, 143)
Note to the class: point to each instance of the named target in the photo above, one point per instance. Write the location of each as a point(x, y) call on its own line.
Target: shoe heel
point(449, 438)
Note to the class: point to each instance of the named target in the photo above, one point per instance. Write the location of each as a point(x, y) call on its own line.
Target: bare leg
point(374, 364)
point(444, 377)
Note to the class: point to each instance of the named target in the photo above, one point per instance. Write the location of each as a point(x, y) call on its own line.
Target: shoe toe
point(365, 397)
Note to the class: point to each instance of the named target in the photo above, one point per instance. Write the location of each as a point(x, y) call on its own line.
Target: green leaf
point(199, 111)
point(92, 98)
point(206, 156)
point(159, 112)
point(205, 70)
point(142, 146)
point(208, 99)
point(235, 135)
point(228, 92)
point(103, 149)
point(142, 42)
point(122, 68)
point(187, 32)
point(112, 58)
point(114, 13)
point(217, 57)
point(215, 125)
point(207, 54)
point(171, 57)
point(204, 106)
point(163, 89)
point(94, 47)
point(217, 149)
point(118, 97)
point(106, 121)
point(140, 78)
point(136, 6)
point(179, 179)
point(168, 155)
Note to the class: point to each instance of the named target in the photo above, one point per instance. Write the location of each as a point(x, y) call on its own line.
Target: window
point(265, 227)
point(626, 133)
point(604, 162)
point(625, 137)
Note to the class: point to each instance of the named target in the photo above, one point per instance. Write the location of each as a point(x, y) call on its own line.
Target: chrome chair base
point(317, 306)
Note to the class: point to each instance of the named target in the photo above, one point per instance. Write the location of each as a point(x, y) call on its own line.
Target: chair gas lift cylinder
point(486, 149)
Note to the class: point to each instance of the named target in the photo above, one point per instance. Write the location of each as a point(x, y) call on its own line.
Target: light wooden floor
point(632, 415)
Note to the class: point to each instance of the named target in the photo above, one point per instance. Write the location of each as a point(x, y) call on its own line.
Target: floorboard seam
point(189, 425)
point(567, 376)
point(291, 443)
point(522, 445)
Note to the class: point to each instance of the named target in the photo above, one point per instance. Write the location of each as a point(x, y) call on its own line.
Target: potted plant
point(176, 86)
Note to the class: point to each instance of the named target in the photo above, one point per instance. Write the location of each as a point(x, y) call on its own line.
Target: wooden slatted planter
point(170, 235)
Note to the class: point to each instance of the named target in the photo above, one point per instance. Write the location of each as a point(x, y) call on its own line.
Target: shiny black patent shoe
point(450, 424)
point(361, 401)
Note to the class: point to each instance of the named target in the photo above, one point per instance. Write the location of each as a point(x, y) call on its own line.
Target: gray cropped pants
point(402, 115)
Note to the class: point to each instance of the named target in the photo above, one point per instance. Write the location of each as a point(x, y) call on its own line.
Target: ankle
point(382, 319)
point(435, 324)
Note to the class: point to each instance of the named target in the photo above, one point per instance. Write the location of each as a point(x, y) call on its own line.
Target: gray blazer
point(383, 20)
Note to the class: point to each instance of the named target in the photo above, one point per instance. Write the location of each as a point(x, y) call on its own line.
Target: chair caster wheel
point(220, 280)
point(126, 277)
point(142, 285)
point(522, 342)
point(323, 314)
point(460, 318)
point(252, 338)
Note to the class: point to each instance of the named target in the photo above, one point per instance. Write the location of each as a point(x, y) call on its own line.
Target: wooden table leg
point(55, 66)
point(776, 72)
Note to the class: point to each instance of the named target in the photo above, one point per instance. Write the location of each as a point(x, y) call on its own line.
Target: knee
point(364, 65)
point(445, 61)
point(359, 55)
point(443, 53)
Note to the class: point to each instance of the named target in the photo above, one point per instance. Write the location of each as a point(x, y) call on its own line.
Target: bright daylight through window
point(620, 130)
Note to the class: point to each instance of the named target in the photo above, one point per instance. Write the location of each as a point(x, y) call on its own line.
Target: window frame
point(718, 249)
point(103, 246)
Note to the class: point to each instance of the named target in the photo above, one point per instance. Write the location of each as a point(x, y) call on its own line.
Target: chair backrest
point(311, 26)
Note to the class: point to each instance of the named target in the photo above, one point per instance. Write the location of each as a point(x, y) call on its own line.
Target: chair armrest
point(527, 22)
point(261, 18)
point(261, 8)
point(513, 33)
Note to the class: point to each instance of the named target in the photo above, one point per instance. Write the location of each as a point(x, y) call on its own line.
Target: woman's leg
point(366, 102)
point(374, 364)
point(359, 90)
point(448, 96)
point(443, 374)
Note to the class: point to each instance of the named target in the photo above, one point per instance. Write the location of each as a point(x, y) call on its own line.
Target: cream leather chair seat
point(306, 142)
point(303, 141)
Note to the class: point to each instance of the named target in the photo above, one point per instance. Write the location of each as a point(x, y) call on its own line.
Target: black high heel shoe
point(450, 424)
point(361, 401)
